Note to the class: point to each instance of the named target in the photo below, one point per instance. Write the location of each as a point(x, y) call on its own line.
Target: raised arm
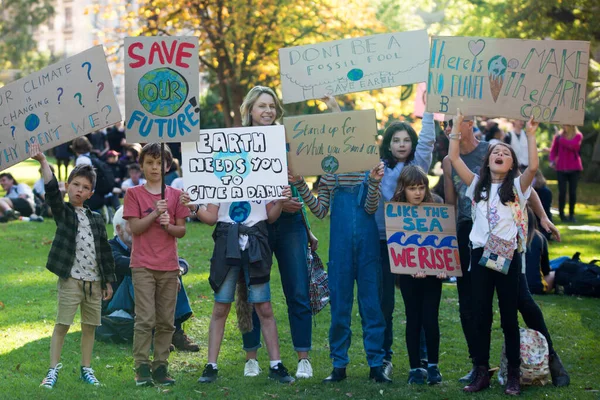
point(465, 174)
point(373, 192)
point(532, 151)
point(424, 149)
point(54, 197)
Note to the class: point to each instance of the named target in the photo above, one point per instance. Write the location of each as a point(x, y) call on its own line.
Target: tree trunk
point(237, 98)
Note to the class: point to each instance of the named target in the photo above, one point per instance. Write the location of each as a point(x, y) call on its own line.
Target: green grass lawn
point(28, 307)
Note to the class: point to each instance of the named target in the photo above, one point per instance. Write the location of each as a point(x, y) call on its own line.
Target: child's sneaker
point(280, 374)
point(51, 377)
point(251, 368)
point(304, 370)
point(87, 376)
point(143, 376)
point(161, 376)
point(209, 374)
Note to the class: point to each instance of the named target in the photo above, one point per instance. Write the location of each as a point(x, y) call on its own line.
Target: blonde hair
point(250, 99)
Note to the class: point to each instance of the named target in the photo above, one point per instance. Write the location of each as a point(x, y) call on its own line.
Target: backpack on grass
point(575, 277)
point(535, 368)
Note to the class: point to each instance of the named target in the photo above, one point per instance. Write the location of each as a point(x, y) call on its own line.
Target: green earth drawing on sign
point(162, 91)
point(330, 164)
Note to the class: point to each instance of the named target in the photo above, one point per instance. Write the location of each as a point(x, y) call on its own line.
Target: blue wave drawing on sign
point(430, 240)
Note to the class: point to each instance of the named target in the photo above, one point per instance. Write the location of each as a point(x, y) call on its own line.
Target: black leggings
point(565, 179)
point(484, 281)
point(464, 287)
point(421, 303)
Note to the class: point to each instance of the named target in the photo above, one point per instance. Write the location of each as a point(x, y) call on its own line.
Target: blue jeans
point(388, 299)
point(289, 241)
point(124, 299)
point(354, 255)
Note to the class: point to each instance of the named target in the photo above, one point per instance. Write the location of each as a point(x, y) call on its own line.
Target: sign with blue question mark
point(56, 104)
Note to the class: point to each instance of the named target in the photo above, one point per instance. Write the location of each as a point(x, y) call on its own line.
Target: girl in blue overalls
point(353, 255)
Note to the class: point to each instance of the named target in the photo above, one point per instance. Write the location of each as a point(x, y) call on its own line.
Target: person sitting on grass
point(18, 200)
point(81, 257)
point(134, 171)
point(124, 298)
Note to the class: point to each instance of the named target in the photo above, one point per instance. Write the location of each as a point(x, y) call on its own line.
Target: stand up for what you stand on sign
point(55, 105)
point(162, 88)
point(509, 78)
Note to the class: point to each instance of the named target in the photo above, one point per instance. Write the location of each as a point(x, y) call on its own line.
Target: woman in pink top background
point(564, 157)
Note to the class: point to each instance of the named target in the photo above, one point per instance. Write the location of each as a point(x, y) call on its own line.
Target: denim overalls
point(354, 255)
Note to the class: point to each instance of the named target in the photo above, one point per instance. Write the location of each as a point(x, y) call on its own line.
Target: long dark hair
point(412, 175)
point(484, 186)
point(532, 227)
point(384, 149)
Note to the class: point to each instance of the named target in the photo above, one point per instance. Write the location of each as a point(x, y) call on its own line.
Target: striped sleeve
point(319, 205)
point(373, 195)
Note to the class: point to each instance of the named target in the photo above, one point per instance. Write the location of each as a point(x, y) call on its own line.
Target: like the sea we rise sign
point(422, 239)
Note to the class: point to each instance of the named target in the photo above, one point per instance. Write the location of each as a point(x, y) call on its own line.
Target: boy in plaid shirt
point(82, 259)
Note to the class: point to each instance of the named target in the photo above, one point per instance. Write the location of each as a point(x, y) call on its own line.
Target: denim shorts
point(258, 293)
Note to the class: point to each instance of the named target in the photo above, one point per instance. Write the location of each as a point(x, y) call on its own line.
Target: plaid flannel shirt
point(62, 254)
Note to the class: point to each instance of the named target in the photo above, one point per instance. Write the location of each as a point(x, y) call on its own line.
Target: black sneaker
point(560, 377)
point(209, 374)
point(417, 377)
point(433, 375)
point(161, 376)
point(280, 374)
point(143, 376)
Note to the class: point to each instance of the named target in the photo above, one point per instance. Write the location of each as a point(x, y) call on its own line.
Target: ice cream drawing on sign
point(353, 65)
point(162, 89)
point(55, 105)
point(510, 78)
point(236, 164)
point(422, 238)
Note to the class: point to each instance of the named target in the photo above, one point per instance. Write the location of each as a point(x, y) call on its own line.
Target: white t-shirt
point(39, 187)
point(247, 213)
point(83, 159)
point(128, 183)
point(177, 183)
point(85, 266)
point(501, 218)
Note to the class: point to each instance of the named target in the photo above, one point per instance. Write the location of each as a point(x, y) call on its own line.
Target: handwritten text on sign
point(509, 78)
point(353, 65)
point(55, 105)
point(422, 238)
point(235, 164)
point(162, 86)
point(332, 143)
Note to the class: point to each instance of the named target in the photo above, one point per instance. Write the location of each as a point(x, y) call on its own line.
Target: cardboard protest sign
point(162, 89)
point(332, 143)
point(353, 65)
point(421, 100)
point(235, 164)
point(422, 238)
point(55, 105)
point(510, 78)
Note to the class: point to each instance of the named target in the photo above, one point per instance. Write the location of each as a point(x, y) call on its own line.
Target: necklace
point(497, 180)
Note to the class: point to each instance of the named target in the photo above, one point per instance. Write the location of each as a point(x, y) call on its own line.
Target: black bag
point(115, 330)
point(575, 277)
point(105, 179)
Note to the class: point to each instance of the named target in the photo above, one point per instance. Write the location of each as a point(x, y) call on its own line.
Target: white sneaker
point(251, 368)
point(304, 369)
point(387, 368)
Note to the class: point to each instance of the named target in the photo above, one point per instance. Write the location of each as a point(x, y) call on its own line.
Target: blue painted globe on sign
point(239, 211)
point(355, 74)
point(162, 91)
point(330, 164)
point(32, 122)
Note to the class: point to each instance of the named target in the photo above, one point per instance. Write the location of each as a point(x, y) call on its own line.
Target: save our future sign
point(55, 105)
point(353, 65)
point(162, 89)
point(422, 238)
point(510, 78)
point(332, 143)
point(235, 164)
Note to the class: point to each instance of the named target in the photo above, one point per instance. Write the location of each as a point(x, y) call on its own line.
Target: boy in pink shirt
point(156, 225)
